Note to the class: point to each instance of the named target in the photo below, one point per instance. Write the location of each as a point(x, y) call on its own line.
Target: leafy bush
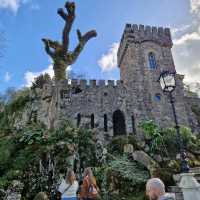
point(164, 140)
point(40, 81)
point(33, 135)
point(132, 172)
point(126, 177)
point(12, 107)
point(7, 150)
point(154, 137)
point(19, 101)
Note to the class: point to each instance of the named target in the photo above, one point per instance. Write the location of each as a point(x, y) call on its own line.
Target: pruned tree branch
point(47, 47)
point(69, 19)
point(82, 41)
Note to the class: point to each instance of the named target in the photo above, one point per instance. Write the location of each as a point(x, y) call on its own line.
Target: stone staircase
point(177, 190)
point(196, 172)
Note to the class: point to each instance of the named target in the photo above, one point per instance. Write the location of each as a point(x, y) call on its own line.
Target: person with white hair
point(155, 190)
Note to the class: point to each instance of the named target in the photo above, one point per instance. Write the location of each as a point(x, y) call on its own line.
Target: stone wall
point(78, 101)
point(118, 107)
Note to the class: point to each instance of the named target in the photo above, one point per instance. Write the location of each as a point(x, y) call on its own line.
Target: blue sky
point(25, 22)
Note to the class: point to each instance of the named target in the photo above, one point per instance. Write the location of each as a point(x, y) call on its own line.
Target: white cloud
point(187, 38)
point(187, 47)
point(30, 76)
point(12, 5)
point(195, 6)
point(180, 29)
point(7, 77)
point(108, 61)
point(194, 87)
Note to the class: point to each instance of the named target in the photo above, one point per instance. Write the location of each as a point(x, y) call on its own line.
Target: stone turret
point(140, 34)
point(145, 52)
point(137, 43)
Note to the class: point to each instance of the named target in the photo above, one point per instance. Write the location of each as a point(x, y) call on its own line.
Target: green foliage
point(5, 125)
point(86, 147)
point(19, 101)
point(150, 129)
point(166, 174)
point(7, 149)
point(116, 146)
point(40, 81)
point(155, 137)
point(20, 153)
point(122, 175)
point(136, 196)
point(11, 108)
point(196, 111)
point(4, 182)
point(164, 141)
point(130, 171)
point(33, 134)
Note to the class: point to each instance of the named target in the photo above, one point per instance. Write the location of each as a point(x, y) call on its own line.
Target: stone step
point(177, 190)
point(195, 170)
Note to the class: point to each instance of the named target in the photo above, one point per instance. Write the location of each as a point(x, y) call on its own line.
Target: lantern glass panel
point(162, 83)
point(169, 80)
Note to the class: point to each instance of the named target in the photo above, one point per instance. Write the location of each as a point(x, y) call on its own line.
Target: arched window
point(78, 119)
point(119, 124)
point(157, 97)
point(105, 123)
point(92, 120)
point(152, 61)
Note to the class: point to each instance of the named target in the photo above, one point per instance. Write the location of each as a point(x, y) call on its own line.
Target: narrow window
point(105, 123)
point(152, 61)
point(133, 125)
point(78, 120)
point(35, 116)
point(92, 120)
point(157, 97)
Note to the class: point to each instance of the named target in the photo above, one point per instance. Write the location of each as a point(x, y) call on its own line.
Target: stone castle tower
point(143, 54)
point(117, 108)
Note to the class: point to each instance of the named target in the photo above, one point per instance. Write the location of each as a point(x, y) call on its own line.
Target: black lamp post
point(168, 84)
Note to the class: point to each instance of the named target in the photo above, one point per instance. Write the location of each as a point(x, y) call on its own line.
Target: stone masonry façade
point(115, 108)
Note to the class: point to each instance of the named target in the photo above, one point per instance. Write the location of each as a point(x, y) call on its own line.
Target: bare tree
point(59, 52)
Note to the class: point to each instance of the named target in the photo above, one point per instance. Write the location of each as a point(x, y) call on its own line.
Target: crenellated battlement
point(93, 83)
point(86, 84)
point(139, 34)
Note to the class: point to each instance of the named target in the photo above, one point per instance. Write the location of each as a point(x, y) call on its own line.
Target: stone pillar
point(190, 187)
